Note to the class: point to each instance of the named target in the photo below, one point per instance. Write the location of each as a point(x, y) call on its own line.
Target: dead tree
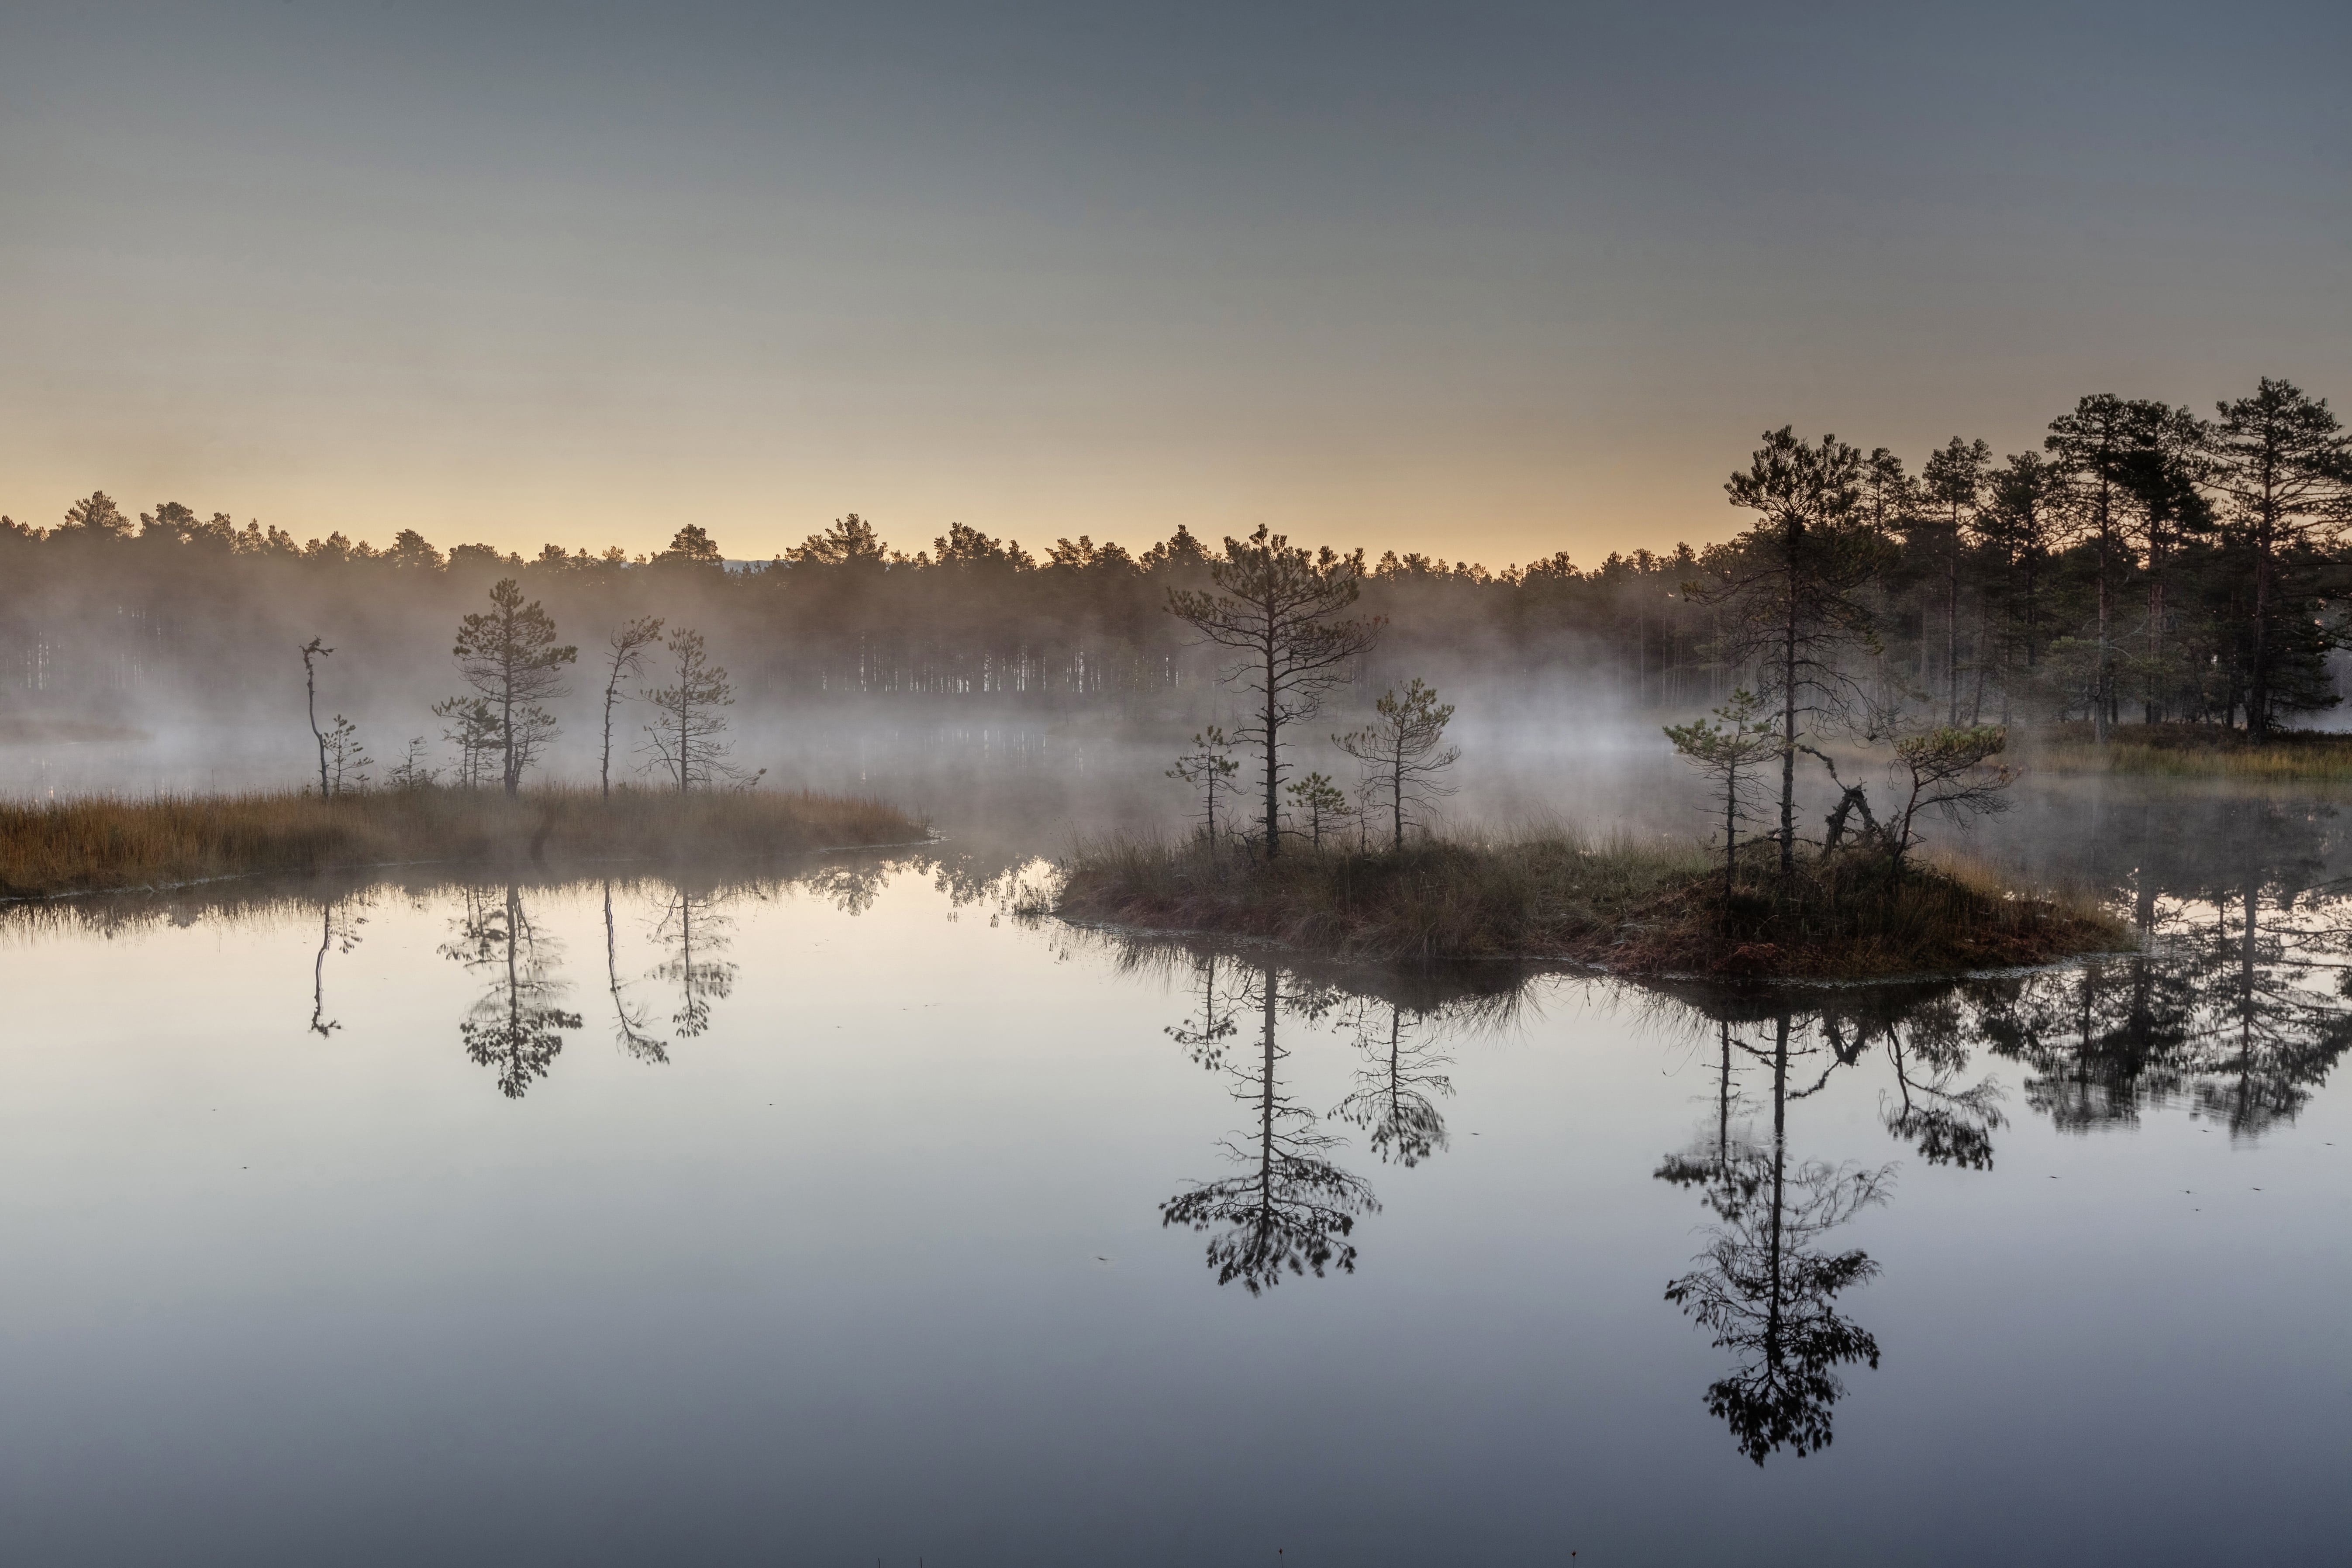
point(316, 648)
point(1852, 798)
point(625, 657)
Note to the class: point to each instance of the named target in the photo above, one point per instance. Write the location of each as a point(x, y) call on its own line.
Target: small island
point(1633, 907)
point(1364, 877)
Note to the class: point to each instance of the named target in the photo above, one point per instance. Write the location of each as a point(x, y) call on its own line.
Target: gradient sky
point(1483, 280)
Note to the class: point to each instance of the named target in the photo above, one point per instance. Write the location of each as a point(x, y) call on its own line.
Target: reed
point(102, 843)
point(2193, 752)
point(1639, 906)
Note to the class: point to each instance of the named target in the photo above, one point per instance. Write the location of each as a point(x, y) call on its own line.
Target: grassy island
point(1648, 908)
point(105, 843)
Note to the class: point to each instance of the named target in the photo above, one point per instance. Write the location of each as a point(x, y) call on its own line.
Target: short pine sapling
point(1321, 802)
point(1730, 749)
point(1208, 767)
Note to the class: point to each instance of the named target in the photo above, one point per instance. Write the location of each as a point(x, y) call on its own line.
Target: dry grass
point(99, 843)
point(2193, 752)
point(1640, 907)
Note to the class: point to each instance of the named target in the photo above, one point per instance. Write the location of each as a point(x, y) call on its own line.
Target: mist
point(2142, 567)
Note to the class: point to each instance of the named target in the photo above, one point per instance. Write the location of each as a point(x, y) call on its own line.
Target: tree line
point(2143, 563)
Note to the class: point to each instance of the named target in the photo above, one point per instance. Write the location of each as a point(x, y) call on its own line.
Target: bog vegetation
point(102, 845)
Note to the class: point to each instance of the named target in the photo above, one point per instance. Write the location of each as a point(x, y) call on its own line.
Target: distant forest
point(2144, 564)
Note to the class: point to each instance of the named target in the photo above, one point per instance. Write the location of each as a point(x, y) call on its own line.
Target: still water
point(848, 1217)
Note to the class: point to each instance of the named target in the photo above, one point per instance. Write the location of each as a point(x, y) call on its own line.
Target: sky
point(1487, 281)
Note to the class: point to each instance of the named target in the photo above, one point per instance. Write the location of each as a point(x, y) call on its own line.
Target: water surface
point(841, 1215)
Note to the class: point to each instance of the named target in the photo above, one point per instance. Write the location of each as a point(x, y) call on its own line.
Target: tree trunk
point(1730, 825)
point(2099, 682)
point(1272, 766)
point(310, 691)
point(1396, 804)
point(605, 766)
point(1952, 623)
point(1788, 710)
point(2258, 689)
point(506, 732)
point(1780, 1166)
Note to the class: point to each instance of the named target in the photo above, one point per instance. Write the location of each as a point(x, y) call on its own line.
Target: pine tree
point(1790, 590)
point(510, 658)
point(1278, 608)
point(687, 736)
point(1730, 749)
point(1401, 751)
point(2282, 465)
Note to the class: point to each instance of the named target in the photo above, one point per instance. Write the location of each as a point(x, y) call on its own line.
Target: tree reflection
point(1289, 1208)
point(2237, 1011)
point(1391, 1096)
point(629, 1024)
point(1947, 1120)
point(339, 929)
point(1763, 1287)
point(516, 1027)
point(696, 932)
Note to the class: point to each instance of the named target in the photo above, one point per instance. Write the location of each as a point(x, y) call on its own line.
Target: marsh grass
point(2193, 752)
point(99, 843)
point(1641, 906)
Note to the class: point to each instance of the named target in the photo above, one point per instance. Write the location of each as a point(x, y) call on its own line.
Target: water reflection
point(2239, 1013)
point(1764, 1286)
point(1933, 1107)
point(1786, 1193)
point(339, 929)
point(1392, 1097)
point(516, 1027)
point(631, 1029)
point(695, 930)
point(1288, 1207)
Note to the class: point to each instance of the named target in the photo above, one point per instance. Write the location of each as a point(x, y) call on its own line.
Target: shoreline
point(95, 846)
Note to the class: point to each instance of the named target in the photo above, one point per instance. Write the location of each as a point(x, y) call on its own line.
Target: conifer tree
point(1953, 481)
point(687, 736)
point(1791, 588)
point(2282, 465)
point(1730, 748)
point(1402, 751)
point(1278, 608)
point(510, 658)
